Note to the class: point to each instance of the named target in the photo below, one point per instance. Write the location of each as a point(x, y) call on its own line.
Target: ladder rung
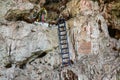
point(65, 58)
point(64, 34)
point(63, 43)
point(65, 53)
point(62, 30)
point(64, 39)
point(61, 26)
point(64, 48)
point(65, 62)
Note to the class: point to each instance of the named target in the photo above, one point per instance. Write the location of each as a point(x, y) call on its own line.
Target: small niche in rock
point(40, 62)
point(22, 66)
point(9, 65)
point(49, 64)
point(2, 23)
point(71, 61)
point(114, 33)
point(42, 55)
point(99, 22)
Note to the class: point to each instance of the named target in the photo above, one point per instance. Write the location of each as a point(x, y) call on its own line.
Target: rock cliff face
point(30, 51)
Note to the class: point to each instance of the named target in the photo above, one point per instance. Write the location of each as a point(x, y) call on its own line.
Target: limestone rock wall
point(31, 51)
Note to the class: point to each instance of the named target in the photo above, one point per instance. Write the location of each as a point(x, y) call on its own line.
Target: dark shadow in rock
point(9, 65)
point(42, 55)
point(114, 33)
point(55, 8)
point(70, 75)
point(22, 66)
point(20, 15)
point(38, 54)
point(51, 1)
point(99, 23)
point(118, 74)
point(2, 23)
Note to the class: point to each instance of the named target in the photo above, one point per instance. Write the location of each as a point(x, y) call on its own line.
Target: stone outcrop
point(19, 39)
point(31, 52)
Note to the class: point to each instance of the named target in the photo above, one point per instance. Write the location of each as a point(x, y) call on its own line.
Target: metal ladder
point(63, 42)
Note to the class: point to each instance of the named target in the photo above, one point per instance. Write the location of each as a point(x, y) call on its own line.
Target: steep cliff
point(30, 51)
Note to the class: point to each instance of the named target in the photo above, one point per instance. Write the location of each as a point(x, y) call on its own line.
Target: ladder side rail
point(67, 42)
point(59, 39)
point(60, 43)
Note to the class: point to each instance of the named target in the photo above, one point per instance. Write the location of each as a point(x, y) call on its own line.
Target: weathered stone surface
point(11, 4)
point(20, 40)
point(15, 15)
point(31, 52)
point(84, 47)
point(23, 14)
point(91, 27)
